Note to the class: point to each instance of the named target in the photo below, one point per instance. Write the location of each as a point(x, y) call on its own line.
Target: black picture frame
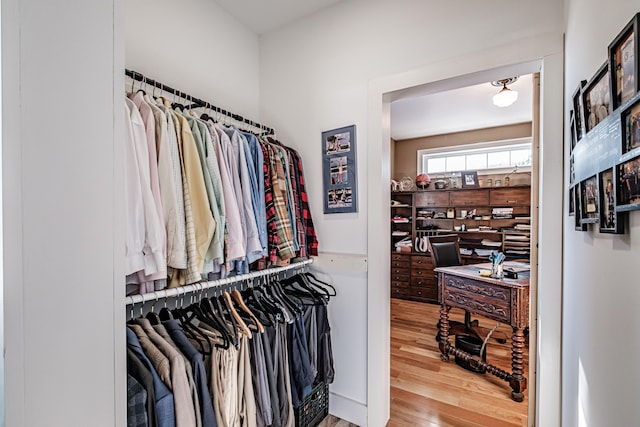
point(624, 63)
point(596, 98)
point(579, 126)
point(611, 221)
point(578, 224)
point(339, 170)
point(590, 209)
point(628, 185)
point(630, 129)
point(572, 170)
point(469, 179)
point(572, 132)
point(572, 202)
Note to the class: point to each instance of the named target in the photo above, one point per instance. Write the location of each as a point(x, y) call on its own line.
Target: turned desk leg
point(518, 381)
point(444, 332)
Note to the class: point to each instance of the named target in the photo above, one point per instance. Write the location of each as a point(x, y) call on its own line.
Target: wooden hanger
point(238, 297)
point(244, 329)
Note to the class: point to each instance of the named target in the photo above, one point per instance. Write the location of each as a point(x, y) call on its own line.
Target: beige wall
point(404, 151)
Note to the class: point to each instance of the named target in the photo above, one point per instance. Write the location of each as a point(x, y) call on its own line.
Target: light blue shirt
point(255, 162)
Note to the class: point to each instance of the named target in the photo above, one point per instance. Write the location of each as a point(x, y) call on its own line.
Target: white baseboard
point(348, 409)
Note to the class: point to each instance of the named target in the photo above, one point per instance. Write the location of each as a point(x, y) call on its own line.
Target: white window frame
point(480, 147)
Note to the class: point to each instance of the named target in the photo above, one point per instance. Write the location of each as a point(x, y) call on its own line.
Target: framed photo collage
point(604, 166)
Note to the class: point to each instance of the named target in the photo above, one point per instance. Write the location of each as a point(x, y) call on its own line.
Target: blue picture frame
point(339, 170)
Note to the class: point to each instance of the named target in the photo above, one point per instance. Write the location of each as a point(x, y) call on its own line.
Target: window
point(477, 157)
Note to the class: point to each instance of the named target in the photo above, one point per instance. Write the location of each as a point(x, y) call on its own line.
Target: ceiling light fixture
point(506, 96)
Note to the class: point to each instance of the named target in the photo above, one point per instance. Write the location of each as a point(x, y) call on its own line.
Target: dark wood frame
point(464, 176)
point(599, 76)
point(626, 151)
point(579, 125)
point(618, 226)
point(630, 30)
point(579, 225)
point(593, 217)
point(621, 205)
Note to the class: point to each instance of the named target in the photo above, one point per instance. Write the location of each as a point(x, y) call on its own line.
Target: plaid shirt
point(293, 173)
point(136, 404)
point(310, 231)
point(272, 228)
point(285, 250)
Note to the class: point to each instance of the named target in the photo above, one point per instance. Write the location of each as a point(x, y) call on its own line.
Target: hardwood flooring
point(426, 391)
point(332, 421)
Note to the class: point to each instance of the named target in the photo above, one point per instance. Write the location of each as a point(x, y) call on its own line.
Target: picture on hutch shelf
point(578, 111)
point(610, 220)
point(590, 202)
point(596, 98)
point(630, 128)
point(623, 62)
point(628, 185)
point(469, 179)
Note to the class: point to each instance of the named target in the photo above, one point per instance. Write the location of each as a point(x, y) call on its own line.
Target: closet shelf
point(197, 287)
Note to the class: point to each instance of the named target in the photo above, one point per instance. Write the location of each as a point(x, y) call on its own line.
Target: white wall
point(61, 202)
point(316, 74)
point(600, 315)
point(196, 47)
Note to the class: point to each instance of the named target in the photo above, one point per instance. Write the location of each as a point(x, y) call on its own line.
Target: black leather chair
point(445, 252)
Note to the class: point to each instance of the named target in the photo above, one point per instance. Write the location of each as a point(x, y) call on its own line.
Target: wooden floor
point(426, 391)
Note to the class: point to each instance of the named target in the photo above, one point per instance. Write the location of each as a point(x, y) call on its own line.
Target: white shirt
point(154, 260)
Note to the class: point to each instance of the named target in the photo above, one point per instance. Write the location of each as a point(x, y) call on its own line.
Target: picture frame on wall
point(572, 130)
point(623, 63)
point(339, 170)
point(630, 127)
point(590, 202)
point(572, 170)
point(578, 111)
point(579, 225)
point(610, 220)
point(628, 185)
point(572, 202)
point(596, 98)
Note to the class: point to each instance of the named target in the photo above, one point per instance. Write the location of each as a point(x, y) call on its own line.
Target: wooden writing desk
point(503, 300)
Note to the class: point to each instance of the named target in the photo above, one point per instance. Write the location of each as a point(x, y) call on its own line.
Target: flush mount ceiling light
point(506, 96)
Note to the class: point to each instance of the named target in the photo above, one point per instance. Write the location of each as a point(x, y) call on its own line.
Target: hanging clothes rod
point(197, 287)
point(196, 101)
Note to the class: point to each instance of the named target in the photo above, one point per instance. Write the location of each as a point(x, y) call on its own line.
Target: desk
point(503, 300)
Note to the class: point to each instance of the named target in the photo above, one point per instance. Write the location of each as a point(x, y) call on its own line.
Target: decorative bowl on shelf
point(441, 184)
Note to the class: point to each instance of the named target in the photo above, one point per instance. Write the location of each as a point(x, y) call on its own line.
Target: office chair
point(445, 252)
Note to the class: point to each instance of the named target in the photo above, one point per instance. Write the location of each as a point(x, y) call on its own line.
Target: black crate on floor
point(314, 407)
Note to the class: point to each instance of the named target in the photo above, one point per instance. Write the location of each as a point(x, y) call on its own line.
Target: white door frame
point(543, 54)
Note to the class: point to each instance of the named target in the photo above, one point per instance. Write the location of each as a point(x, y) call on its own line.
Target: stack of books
point(502, 213)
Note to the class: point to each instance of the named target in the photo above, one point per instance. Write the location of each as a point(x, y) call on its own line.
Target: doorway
point(542, 56)
point(460, 131)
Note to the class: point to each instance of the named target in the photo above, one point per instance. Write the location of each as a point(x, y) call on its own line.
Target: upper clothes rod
point(196, 101)
point(197, 287)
